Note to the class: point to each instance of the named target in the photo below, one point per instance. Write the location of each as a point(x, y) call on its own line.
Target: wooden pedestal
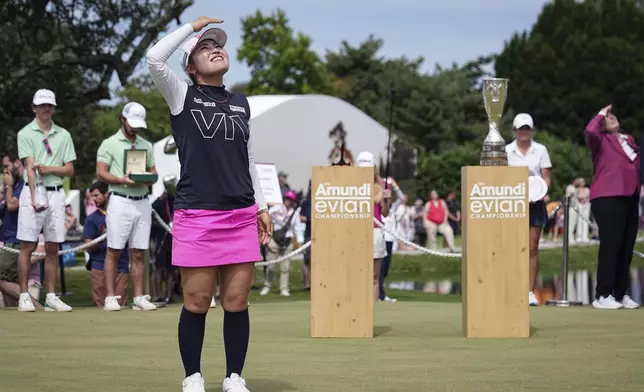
point(342, 252)
point(495, 272)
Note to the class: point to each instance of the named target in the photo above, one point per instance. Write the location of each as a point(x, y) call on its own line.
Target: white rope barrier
point(285, 257)
point(62, 252)
point(416, 246)
point(264, 263)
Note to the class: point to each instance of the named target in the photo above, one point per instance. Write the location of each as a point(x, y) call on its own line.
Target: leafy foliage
point(578, 58)
point(75, 48)
point(281, 61)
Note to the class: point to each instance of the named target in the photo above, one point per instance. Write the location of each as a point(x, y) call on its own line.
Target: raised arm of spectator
point(399, 193)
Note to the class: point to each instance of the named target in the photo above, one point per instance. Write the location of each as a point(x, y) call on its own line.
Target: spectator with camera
point(13, 184)
point(284, 216)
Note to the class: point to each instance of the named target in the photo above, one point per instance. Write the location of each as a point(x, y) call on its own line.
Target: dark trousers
point(617, 219)
point(385, 263)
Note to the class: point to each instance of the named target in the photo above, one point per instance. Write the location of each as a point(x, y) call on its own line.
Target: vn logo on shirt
point(209, 125)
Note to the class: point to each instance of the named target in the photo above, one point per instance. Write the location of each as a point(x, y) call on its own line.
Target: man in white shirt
point(524, 151)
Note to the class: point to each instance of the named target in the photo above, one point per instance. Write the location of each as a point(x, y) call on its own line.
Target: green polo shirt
point(31, 144)
point(112, 153)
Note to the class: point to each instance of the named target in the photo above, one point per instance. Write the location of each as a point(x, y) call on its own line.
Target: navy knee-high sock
point(236, 336)
point(192, 327)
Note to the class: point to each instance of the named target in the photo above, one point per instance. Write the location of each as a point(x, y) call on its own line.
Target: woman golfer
point(220, 215)
point(382, 203)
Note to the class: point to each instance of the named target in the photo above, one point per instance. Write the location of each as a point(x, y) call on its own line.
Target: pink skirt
point(209, 238)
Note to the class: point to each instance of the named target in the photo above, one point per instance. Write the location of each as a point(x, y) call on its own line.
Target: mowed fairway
point(418, 347)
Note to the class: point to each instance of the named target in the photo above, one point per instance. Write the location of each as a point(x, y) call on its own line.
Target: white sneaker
point(607, 303)
point(265, 291)
point(25, 304)
point(532, 299)
point(194, 383)
point(143, 303)
point(389, 299)
point(285, 293)
point(234, 383)
point(55, 304)
point(112, 303)
point(628, 303)
point(213, 303)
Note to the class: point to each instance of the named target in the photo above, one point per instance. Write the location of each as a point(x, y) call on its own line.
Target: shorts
point(538, 214)
point(9, 264)
point(51, 221)
point(211, 238)
point(379, 246)
point(128, 221)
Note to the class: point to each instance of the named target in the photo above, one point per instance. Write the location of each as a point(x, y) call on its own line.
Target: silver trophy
point(494, 93)
point(40, 197)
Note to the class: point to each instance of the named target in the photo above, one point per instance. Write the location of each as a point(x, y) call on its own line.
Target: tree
point(143, 91)
point(569, 160)
point(578, 58)
point(75, 48)
point(281, 62)
point(433, 112)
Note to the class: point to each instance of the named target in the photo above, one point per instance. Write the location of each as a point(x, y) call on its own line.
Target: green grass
point(420, 268)
point(418, 348)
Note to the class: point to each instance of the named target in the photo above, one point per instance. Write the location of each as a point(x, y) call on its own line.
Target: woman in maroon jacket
point(614, 197)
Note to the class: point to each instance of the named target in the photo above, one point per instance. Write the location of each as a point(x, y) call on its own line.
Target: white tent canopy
point(292, 132)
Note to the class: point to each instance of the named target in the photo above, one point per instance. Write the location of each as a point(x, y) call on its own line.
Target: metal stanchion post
point(563, 302)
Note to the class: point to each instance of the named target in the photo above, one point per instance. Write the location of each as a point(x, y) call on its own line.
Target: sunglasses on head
point(45, 142)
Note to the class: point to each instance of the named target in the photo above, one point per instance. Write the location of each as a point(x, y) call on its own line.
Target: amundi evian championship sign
point(498, 201)
point(343, 202)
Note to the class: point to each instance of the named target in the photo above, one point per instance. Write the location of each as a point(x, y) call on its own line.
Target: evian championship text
point(498, 201)
point(343, 202)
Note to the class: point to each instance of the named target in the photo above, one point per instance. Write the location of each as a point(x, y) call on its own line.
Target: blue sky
point(441, 31)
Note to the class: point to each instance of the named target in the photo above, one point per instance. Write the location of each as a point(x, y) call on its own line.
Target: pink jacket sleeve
point(593, 133)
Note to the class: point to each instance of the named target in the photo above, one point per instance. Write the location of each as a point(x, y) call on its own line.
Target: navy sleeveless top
point(212, 134)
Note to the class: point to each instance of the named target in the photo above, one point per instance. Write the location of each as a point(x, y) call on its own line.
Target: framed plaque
point(135, 165)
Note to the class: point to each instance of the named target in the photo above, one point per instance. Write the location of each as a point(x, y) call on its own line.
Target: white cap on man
point(523, 120)
point(365, 159)
point(44, 97)
point(135, 113)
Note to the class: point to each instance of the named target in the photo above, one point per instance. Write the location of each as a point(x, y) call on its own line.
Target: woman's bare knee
point(197, 301)
point(235, 300)
point(376, 270)
point(197, 288)
point(235, 282)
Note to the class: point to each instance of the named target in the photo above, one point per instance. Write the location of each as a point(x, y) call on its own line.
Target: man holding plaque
point(125, 161)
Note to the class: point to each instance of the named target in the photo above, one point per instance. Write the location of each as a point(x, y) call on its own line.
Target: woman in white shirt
point(583, 197)
point(524, 151)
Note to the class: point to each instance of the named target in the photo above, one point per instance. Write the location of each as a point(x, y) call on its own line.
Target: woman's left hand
point(387, 194)
point(264, 227)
